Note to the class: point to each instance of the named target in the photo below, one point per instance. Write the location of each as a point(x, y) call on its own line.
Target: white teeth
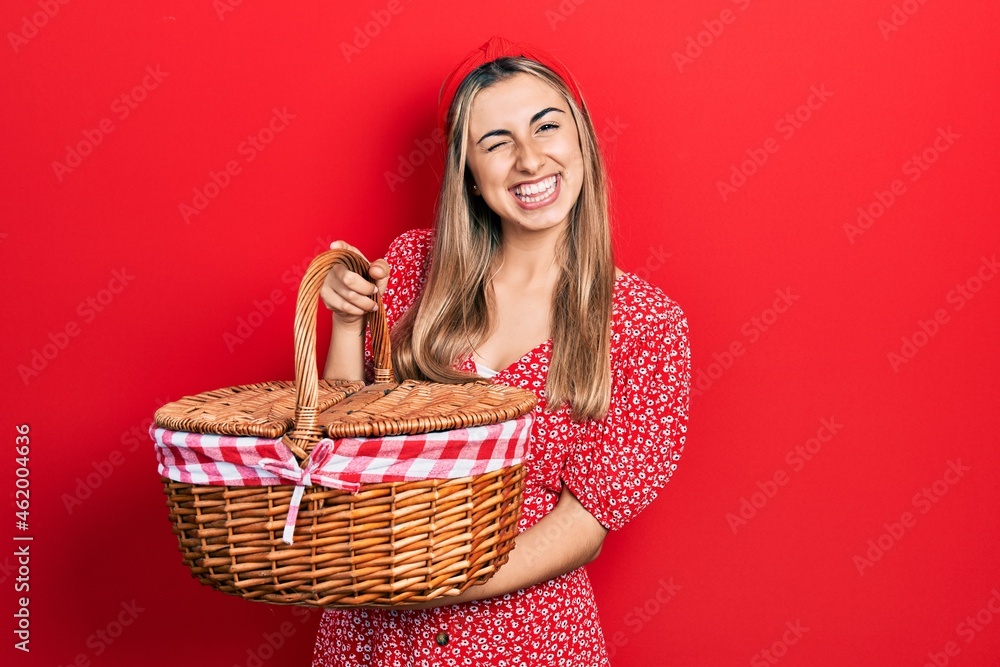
point(536, 191)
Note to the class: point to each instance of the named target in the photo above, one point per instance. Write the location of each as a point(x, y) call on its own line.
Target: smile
point(534, 193)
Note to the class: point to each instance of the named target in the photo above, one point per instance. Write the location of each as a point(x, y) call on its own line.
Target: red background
point(671, 130)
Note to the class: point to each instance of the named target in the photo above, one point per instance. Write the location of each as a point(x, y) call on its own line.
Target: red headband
point(494, 49)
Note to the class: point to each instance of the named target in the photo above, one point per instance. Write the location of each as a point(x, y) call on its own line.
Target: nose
point(530, 157)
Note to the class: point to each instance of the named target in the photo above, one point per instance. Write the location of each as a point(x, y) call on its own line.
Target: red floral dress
point(613, 466)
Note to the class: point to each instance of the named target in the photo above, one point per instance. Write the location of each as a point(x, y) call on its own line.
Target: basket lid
point(346, 409)
point(265, 409)
point(421, 407)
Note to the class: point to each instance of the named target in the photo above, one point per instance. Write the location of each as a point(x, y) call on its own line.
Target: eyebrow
point(536, 117)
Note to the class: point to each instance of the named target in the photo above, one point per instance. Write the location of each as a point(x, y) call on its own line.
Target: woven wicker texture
point(265, 409)
point(420, 407)
point(388, 544)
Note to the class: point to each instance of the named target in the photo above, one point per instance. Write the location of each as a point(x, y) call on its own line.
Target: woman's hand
point(349, 296)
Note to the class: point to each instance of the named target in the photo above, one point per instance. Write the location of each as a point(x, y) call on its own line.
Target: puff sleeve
point(621, 461)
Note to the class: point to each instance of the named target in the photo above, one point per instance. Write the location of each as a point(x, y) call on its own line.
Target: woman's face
point(524, 154)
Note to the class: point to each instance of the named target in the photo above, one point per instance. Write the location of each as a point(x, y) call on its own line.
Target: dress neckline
point(489, 373)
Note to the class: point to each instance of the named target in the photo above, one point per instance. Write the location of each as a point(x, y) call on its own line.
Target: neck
point(529, 257)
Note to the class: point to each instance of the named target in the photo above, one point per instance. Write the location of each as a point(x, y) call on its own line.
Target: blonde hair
point(454, 307)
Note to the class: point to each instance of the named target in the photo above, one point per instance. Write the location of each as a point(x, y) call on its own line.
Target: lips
point(538, 191)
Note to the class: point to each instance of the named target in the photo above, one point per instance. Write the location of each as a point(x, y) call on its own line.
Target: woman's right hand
point(348, 294)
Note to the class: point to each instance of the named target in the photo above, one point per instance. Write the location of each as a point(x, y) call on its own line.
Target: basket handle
point(305, 432)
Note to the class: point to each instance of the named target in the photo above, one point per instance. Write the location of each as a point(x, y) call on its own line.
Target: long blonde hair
point(454, 307)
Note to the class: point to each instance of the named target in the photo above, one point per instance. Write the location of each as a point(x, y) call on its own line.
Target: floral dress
point(614, 467)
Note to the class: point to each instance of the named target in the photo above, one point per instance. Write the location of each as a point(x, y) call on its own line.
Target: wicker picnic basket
point(384, 544)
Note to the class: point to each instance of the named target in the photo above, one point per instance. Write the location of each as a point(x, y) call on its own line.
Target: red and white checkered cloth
point(346, 463)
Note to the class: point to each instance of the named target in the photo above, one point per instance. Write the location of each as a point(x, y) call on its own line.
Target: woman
point(517, 283)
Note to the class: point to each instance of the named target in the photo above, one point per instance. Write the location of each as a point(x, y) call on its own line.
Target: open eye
point(546, 126)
